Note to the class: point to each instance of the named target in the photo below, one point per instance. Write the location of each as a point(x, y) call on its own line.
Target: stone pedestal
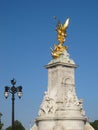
point(60, 108)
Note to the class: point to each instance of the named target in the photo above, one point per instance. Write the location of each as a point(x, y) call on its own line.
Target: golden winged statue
point(61, 35)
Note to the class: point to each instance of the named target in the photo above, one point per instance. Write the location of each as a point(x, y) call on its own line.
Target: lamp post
point(13, 90)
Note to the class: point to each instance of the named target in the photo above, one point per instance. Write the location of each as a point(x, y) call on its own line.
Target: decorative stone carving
point(48, 105)
point(81, 107)
point(64, 57)
point(70, 96)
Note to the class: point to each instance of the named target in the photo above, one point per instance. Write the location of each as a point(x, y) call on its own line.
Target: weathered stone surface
point(88, 126)
point(34, 127)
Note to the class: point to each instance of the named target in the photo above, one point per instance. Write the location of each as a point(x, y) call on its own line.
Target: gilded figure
point(61, 35)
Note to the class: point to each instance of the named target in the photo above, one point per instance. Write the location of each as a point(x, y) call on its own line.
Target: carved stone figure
point(81, 107)
point(48, 105)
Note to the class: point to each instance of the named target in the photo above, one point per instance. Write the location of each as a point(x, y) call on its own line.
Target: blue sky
point(27, 31)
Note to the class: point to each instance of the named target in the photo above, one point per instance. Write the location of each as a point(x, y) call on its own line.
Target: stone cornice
point(50, 65)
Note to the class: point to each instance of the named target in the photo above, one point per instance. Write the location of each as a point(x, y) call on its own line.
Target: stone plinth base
point(61, 123)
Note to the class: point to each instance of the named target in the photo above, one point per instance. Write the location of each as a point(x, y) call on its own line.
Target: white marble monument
point(60, 108)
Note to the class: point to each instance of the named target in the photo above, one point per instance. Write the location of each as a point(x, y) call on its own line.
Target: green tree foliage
point(1, 125)
point(95, 124)
point(17, 126)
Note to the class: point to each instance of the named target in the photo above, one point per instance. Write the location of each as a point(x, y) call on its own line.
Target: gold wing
point(66, 23)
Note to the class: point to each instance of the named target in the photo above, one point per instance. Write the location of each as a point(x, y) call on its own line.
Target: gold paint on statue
point(61, 35)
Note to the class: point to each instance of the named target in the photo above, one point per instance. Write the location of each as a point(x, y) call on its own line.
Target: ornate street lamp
point(13, 90)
